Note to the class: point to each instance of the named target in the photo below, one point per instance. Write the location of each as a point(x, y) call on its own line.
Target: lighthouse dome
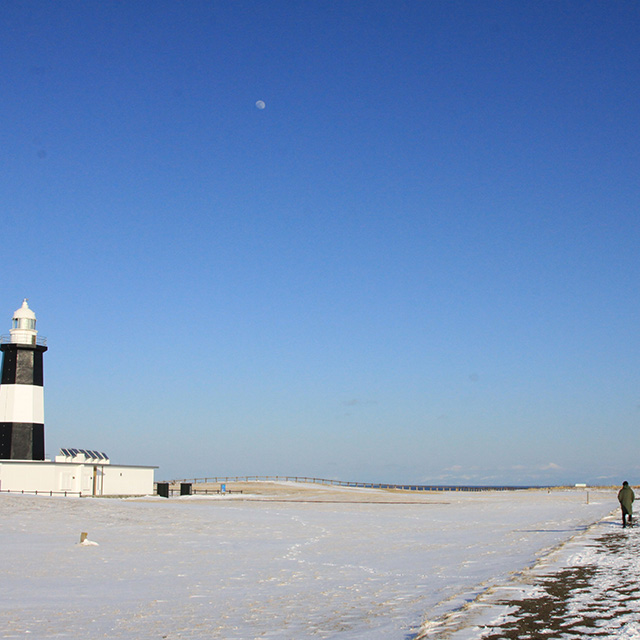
point(24, 325)
point(24, 312)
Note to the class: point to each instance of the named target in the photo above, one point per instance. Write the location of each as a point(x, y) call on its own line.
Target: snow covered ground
point(346, 564)
point(586, 588)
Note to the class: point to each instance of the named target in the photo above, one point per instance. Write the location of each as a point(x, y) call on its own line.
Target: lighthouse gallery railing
point(41, 341)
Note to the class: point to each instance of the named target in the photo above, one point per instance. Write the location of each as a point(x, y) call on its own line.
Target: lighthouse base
point(21, 441)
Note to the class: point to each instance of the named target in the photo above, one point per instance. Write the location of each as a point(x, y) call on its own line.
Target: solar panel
point(89, 454)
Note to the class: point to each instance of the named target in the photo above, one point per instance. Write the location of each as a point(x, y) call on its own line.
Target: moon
point(260, 104)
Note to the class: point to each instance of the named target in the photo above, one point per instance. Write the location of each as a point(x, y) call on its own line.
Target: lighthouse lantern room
point(22, 389)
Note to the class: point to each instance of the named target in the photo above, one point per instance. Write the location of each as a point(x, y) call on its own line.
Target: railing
point(41, 341)
point(344, 483)
point(45, 493)
point(197, 492)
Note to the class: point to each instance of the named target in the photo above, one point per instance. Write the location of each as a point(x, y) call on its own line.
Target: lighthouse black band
point(21, 441)
point(22, 364)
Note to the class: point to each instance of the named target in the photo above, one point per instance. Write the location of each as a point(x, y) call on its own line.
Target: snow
point(586, 587)
point(348, 564)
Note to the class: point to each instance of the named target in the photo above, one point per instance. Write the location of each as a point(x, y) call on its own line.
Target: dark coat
point(626, 498)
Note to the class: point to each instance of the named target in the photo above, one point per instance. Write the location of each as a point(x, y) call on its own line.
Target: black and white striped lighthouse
point(22, 389)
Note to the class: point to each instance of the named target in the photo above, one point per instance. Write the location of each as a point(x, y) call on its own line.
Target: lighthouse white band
point(21, 403)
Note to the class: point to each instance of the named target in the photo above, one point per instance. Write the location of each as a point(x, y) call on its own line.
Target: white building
point(22, 464)
point(75, 478)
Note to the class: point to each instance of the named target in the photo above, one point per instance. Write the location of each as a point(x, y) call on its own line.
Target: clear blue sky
point(418, 263)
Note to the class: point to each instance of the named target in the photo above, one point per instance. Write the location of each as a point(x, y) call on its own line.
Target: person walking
point(626, 498)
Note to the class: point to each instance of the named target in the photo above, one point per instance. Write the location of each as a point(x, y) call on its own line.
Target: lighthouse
point(22, 389)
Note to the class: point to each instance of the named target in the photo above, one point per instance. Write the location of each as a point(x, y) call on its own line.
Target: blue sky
point(418, 263)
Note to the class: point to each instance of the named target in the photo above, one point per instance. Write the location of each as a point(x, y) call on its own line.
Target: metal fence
point(197, 492)
point(344, 483)
point(46, 493)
